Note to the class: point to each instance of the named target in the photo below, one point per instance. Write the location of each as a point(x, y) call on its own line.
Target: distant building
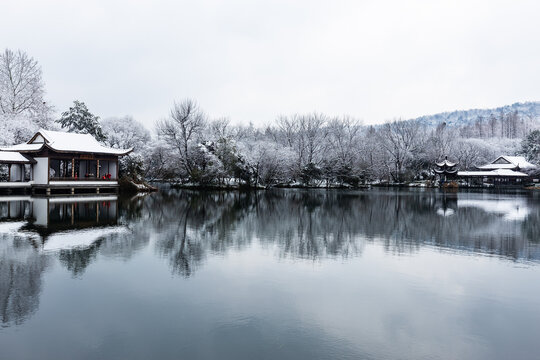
point(505, 170)
point(446, 170)
point(54, 160)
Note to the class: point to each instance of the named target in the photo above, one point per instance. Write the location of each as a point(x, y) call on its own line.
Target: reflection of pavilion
point(74, 212)
point(15, 208)
point(447, 205)
point(63, 222)
point(511, 209)
point(72, 227)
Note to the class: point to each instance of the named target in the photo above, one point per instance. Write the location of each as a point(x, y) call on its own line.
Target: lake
point(278, 274)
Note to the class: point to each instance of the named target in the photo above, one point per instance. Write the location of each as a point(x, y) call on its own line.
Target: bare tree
point(442, 141)
point(184, 125)
point(312, 138)
point(343, 137)
point(220, 128)
point(492, 122)
point(305, 134)
point(287, 130)
point(21, 86)
point(401, 139)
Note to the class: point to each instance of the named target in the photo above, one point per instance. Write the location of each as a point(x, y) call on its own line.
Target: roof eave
point(123, 153)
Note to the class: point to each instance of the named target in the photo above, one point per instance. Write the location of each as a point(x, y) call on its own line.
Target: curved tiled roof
point(66, 142)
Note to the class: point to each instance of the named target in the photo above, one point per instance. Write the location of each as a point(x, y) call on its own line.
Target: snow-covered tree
point(402, 140)
point(125, 132)
point(182, 131)
point(16, 129)
point(79, 119)
point(268, 162)
point(21, 87)
point(530, 147)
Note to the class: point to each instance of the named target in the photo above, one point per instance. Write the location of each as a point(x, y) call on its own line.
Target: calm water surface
point(271, 275)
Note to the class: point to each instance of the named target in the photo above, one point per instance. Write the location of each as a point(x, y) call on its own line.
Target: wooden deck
point(60, 187)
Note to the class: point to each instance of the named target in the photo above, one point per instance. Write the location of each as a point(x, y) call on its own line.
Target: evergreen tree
point(79, 120)
point(530, 147)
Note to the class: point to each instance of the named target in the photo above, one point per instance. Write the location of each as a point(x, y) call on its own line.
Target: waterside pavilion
point(59, 162)
point(446, 170)
point(505, 170)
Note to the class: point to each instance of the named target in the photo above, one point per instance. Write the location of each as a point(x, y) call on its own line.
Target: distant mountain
point(527, 110)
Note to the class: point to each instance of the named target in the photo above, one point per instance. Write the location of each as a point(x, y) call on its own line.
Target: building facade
point(505, 170)
point(54, 160)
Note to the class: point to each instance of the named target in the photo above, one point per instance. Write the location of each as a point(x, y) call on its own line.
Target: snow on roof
point(497, 166)
point(12, 157)
point(22, 147)
point(496, 172)
point(67, 142)
point(513, 162)
point(445, 162)
point(520, 161)
point(71, 142)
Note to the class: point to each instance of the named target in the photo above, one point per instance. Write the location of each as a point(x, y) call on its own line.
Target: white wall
point(41, 170)
point(41, 211)
point(112, 169)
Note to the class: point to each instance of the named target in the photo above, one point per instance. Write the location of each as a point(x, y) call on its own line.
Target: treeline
point(188, 147)
point(314, 149)
point(506, 125)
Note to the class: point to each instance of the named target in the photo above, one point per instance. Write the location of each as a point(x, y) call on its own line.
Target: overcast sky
point(253, 60)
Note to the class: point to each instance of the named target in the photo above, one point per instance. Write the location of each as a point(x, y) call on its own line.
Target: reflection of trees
point(189, 224)
point(317, 224)
point(306, 224)
point(21, 266)
point(411, 220)
point(77, 260)
point(186, 226)
point(309, 224)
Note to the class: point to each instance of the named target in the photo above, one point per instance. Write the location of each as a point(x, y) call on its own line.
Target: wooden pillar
point(9, 172)
point(22, 172)
point(72, 168)
point(97, 169)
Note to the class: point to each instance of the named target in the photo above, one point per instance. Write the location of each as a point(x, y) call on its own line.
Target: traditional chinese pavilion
point(54, 161)
point(446, 170)
point(505, 170)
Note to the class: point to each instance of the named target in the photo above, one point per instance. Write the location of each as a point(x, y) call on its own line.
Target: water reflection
point(320, 224)
point(35, 229)
point(185, 228)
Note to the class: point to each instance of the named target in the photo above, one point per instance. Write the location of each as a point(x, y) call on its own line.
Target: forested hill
point(526, 110)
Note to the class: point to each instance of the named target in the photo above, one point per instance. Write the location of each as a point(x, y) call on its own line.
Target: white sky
point(253, 60)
